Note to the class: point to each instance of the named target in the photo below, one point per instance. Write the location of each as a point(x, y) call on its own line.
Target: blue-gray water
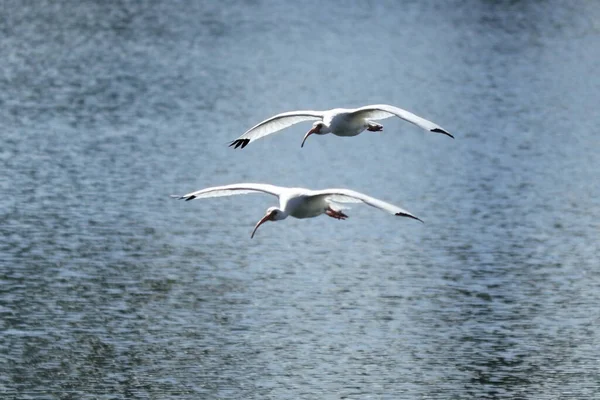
point(109, 289)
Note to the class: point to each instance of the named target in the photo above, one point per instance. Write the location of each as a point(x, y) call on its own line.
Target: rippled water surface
point(109, 289)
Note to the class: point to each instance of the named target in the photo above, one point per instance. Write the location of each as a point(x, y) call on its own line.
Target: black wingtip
point(239, 142)
point(189, 198)
point(440, 130)
point(409, 216)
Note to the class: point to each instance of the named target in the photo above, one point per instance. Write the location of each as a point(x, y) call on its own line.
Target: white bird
point(339, 121)
point(298, 202)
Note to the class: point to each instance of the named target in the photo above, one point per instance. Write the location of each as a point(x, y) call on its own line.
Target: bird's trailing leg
point(335, 214)
point(374, 127)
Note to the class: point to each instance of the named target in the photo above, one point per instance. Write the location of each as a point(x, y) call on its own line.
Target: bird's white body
point(339, 121)
point(343, 122)
point(299, 202)
point(302, 205)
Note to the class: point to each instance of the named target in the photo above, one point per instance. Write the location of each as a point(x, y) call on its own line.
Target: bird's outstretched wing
point(350, 196)
point(383, 111)
point(275, 124)
point(231, 190)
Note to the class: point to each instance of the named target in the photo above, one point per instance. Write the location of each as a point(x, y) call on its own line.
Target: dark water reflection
point(111, 290)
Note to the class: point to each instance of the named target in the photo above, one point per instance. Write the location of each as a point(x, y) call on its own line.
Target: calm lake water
point(109, 289)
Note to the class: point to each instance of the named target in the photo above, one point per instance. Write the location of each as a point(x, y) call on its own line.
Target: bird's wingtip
point(440, 130)
point(239, 142)
point(186, 198)
point(401, 214)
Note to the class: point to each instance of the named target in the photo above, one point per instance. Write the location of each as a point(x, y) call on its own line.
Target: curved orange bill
point(259, 223)
point(313, 130)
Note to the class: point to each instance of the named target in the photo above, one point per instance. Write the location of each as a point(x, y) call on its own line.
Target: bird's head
point(318, 127)
point(272, 214)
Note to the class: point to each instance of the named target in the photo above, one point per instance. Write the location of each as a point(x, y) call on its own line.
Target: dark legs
point(374, 127)
point(335, 214)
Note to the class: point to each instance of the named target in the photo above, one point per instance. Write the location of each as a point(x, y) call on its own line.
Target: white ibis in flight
point(339, 121)
point(299, 202)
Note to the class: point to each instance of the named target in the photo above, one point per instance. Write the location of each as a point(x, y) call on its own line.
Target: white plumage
point(299, 202)
point(339, 121)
